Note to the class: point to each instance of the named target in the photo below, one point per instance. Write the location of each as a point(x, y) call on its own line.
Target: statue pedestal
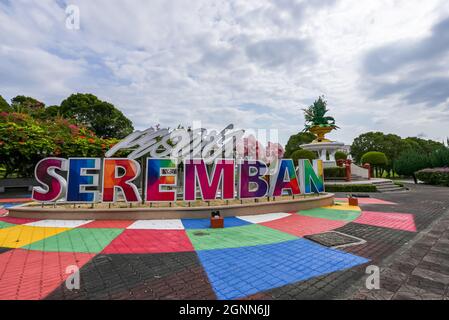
point(323, 148)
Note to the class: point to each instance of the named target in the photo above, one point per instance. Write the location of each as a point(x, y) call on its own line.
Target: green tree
point(424, 146)
point(377, 160)
point(23, 104)
point(50, 113)
point(439, 158)
point(411, 161)
point(303, 154)
point(4, 106)
point(390, 144)
point(296, 140)
point(101, 117)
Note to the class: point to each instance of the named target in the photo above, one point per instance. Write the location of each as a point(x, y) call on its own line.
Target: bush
point(340, 155)
point(377, 160)
point(436, 176)
point(351, 188)
point(334, 172)
point(24, 141)
point(303, 154)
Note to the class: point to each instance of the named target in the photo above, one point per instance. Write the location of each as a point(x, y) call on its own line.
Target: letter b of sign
point(73, 280)
point(72, 22)
point(373, 280)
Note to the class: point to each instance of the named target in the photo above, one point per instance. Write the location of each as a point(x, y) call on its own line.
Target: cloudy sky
point(383, 65)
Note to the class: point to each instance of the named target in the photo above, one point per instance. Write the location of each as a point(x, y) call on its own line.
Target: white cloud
point(174, 62)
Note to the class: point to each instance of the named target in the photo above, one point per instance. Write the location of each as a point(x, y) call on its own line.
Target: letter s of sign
point(73, 280)
point(72, 22)
point(373, 280)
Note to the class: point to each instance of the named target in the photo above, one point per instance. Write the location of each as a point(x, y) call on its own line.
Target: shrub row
point(334, 172)
point(352, 188)
point(436, 176)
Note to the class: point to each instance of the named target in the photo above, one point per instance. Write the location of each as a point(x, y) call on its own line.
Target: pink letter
point(156, 180)
point(54, 185)
point(222, 173)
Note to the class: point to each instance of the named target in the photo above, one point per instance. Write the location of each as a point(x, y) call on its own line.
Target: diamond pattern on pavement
point(301, 226)
point(250, 235)
point(85, 240)
point(236, 273)
point(398, 221)
point(31, 275)
point(21, 235)
point(149, 241)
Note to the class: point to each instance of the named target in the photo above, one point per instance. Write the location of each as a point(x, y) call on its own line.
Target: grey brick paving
point(421, 270)
point(134, 276)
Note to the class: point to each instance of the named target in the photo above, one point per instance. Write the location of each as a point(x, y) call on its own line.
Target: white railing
point(359, 171)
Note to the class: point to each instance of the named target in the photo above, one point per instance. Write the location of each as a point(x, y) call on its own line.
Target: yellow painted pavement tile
point(344, 207)
point(19, 236)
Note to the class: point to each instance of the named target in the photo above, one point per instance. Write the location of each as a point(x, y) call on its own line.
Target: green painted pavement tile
point(251, 235)
point(84, 240)
point(4, 225)
point(331, 214)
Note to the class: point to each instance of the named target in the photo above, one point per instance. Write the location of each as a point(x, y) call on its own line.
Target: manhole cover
point(334, 239)
point(200, 233)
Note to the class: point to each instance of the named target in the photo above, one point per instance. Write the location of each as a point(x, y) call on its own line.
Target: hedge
point(334, 172)
point(436, 176)
point(351, 188)
point(340, 155)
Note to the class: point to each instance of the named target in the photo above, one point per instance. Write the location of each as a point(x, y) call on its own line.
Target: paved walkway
point(421, 270)
point(254, 257)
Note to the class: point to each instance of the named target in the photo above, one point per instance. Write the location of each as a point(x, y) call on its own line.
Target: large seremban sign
point(217, 164)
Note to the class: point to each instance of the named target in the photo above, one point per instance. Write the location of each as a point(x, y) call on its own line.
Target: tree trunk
point(414, 179)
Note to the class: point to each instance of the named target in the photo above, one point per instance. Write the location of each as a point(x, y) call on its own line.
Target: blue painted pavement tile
point(7, 205)
point(205, 223)
point(238, 272)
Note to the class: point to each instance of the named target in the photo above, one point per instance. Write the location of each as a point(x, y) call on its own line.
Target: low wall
point(171, 213)
point(28, 183)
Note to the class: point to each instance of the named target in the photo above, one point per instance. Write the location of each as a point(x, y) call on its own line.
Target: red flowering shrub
point(25, 140)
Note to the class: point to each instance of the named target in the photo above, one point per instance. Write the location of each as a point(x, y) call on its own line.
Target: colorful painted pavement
point(180, 259)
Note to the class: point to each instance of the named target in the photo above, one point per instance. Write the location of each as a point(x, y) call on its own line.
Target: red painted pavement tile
point(150, 241)
point(32, 275)
point(368, 201)
point(16, 200)
point(300, 226)
point(392, 220)
point(114, 224)
point(17, 220)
